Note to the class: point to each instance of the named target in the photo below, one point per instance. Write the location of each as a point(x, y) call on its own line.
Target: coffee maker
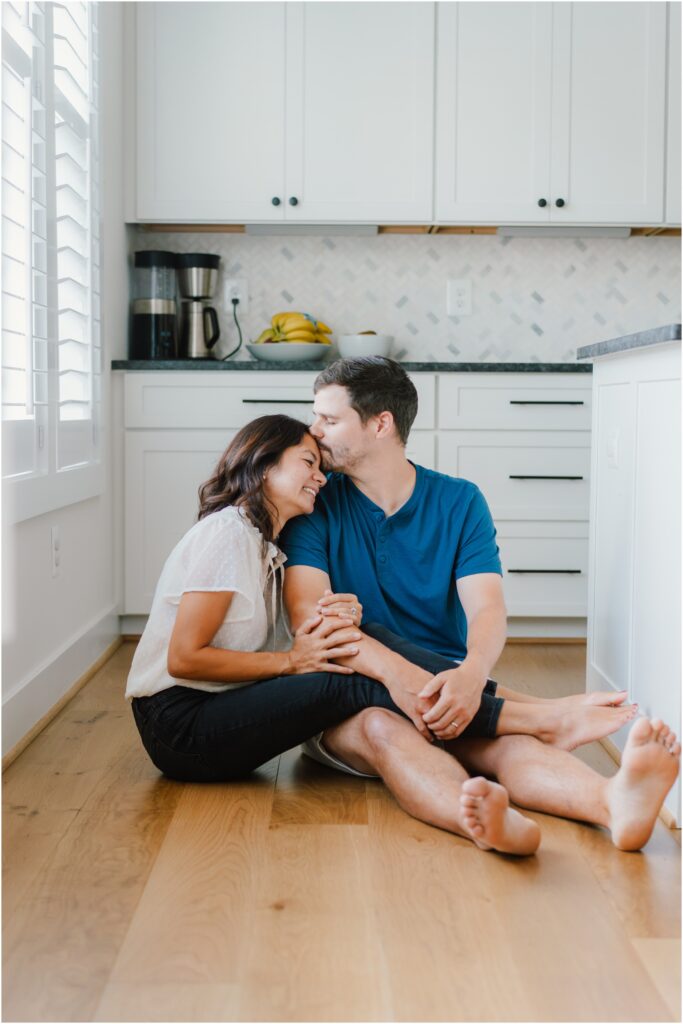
point(199, 330)
point(153, 333)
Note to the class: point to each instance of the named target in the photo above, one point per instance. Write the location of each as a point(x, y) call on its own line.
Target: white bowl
point(290, 351)
point(352, 345)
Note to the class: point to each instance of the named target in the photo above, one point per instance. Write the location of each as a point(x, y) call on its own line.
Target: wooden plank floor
point(303, 894)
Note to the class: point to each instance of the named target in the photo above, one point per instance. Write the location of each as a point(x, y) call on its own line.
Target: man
point(418, 548)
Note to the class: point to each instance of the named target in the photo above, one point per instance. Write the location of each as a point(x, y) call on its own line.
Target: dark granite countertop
point(655, 336)
point(242, 365)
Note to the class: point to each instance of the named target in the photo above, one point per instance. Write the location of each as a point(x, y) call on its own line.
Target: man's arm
point(304, 586)
point(460, 688)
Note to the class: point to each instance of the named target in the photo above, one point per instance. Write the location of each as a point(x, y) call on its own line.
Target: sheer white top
point(222, 552)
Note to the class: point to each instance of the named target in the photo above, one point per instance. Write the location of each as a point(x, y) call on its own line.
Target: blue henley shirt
point(403, 567)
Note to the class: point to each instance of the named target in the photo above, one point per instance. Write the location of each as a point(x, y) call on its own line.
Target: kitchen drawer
point(533, 480)
point(205, 399)
point(220, 399)
point(522, 401)
point(545, 576)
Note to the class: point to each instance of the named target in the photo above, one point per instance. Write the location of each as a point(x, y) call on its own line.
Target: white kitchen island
point(634, 574)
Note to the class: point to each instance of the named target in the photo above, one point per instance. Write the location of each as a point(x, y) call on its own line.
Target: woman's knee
point(379, 632)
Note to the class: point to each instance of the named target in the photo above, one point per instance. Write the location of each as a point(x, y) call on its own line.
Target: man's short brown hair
point(375, 384)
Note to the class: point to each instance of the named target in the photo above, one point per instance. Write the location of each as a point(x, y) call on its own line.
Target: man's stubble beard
point(340, 461)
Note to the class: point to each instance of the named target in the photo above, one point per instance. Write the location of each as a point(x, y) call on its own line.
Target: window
point(51, 345)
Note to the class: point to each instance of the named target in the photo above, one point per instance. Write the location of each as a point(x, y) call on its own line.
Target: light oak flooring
point(306, 895)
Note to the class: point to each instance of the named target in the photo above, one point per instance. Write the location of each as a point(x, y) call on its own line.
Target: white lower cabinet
point(523, 439)
point(634, 614)
point(164, 469)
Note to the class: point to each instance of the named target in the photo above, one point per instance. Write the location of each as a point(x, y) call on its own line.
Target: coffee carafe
point(199, 330)
point(153, 333)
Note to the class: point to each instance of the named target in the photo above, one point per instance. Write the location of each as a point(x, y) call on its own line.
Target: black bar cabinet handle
point(563, 572)
point(520, 401)
point(519, 476)
point(277, 401)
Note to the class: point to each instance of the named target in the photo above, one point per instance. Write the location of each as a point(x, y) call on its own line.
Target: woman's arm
point(200, 615)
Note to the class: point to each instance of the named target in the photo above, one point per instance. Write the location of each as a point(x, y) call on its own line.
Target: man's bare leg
point(543, 778)
point(428, 783)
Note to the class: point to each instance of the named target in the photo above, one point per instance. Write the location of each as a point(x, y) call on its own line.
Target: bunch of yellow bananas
point(301, 327)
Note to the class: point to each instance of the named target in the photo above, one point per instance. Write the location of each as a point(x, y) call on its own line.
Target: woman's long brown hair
point(238, 477)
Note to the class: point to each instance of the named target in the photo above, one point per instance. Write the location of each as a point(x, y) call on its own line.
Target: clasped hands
point(443, 707)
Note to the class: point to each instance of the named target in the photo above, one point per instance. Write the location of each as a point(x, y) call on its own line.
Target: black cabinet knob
point(542, 202)
point(275, 200)
point(559, 202)
point(293, 201)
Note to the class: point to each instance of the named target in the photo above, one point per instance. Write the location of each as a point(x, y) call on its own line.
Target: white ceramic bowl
point(352, 345)
point(290, 351)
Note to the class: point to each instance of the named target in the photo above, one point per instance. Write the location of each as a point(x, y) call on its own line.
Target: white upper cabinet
point(360, 111)
point(550, 112)
point(673, 161)
point(494, 78)
point(210, 110)
point(609, 100)
point(326, 108)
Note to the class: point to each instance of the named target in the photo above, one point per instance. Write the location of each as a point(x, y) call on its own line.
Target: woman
point(218, 685)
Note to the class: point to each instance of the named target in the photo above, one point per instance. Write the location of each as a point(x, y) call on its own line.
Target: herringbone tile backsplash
point(533, 299)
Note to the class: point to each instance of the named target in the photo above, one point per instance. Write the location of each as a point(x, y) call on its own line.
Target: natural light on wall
point(51, 343)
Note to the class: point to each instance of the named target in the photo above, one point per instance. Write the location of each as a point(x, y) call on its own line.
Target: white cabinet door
point(163, 472)
point(493, 112)
point(609, 63)
point(211, 110)
point(360, 93)
point(634, 605)
point(673, 160)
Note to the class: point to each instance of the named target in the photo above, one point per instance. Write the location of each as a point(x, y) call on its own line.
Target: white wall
point(54, 628)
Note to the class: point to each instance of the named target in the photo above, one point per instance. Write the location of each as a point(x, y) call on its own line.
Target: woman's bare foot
point(492, 823)
point(600, 699)
point(584, 724)
point(649, 766)
point(566, 727)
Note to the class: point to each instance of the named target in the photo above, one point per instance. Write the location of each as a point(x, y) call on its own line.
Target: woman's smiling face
point(293, 484)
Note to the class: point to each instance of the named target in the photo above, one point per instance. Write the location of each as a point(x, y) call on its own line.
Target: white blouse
point(222, 552)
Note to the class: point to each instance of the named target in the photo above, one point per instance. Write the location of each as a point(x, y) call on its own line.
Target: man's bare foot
point(581, 724)
point(649, 766)
point(492, 823)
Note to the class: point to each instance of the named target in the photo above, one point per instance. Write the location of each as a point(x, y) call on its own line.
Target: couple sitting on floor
point(393, 594)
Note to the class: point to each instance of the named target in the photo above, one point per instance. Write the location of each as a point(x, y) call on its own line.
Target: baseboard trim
point(546, 640)
point(612, 749)
point(37, 699)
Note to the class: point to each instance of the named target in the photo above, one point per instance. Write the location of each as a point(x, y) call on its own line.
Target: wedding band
point(454, 724)
point(353, 611)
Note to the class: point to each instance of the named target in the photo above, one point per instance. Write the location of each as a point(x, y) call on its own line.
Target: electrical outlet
point(236, 288)
point(458, 297)
point(56, 550)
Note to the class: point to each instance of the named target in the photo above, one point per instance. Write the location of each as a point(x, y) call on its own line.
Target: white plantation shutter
point(24, 241)
point(51, 352)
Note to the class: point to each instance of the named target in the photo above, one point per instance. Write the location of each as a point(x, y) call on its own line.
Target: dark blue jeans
point(196, 736)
